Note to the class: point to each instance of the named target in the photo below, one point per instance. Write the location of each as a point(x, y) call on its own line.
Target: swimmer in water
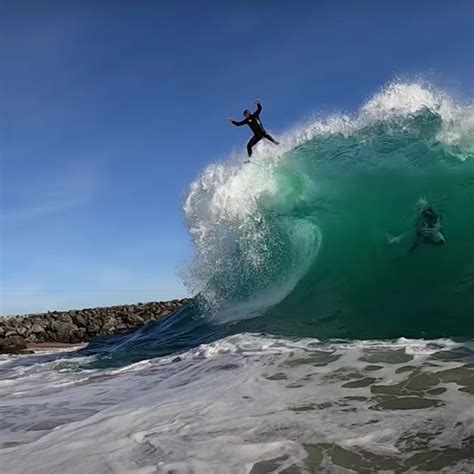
point(428, 227)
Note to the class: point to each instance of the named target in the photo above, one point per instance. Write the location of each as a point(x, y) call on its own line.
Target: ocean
point(331, 332)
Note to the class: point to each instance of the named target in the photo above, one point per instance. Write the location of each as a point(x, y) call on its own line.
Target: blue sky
point(110, 110)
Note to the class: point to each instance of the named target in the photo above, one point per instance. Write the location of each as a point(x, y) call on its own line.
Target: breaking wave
point(314, 235)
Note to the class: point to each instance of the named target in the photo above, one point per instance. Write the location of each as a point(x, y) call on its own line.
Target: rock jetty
point(76, 326)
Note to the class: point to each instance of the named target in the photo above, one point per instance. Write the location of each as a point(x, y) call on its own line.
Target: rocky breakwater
point(76, 326)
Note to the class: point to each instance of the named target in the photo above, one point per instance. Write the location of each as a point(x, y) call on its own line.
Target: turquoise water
point(311, 228)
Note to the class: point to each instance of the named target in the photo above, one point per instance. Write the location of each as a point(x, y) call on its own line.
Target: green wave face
point(315, 236)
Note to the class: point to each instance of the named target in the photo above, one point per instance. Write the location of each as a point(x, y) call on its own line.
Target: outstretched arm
point(259, 108)
point(234, 122)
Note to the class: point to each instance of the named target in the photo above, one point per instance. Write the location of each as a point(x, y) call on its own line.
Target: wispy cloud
point(33, 196)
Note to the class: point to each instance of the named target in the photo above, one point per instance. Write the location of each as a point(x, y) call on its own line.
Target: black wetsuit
point(253, 121)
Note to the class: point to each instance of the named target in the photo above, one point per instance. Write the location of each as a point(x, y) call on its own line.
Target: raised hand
point(230, 119)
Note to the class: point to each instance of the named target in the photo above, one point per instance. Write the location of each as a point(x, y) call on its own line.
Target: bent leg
point(269, 137)
point(252, 142)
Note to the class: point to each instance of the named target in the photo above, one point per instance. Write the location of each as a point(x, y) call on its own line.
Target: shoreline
point(54, 328)
point(54, 346)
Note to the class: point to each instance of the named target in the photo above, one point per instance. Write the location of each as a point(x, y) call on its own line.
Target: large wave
point(314, 234)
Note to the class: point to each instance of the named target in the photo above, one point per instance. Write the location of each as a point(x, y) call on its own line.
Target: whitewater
point(317, 341)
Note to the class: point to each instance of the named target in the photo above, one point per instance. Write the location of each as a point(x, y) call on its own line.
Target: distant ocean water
point(318, 342)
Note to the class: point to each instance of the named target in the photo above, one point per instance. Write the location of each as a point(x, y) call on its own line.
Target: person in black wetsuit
point(428, 227)
point(253, 121)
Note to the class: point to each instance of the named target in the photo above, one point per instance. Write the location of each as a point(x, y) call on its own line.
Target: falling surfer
point(253, 121)
point(428, 227)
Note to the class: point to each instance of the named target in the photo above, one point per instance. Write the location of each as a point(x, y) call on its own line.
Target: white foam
point(227, 405)
point(399, 99)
